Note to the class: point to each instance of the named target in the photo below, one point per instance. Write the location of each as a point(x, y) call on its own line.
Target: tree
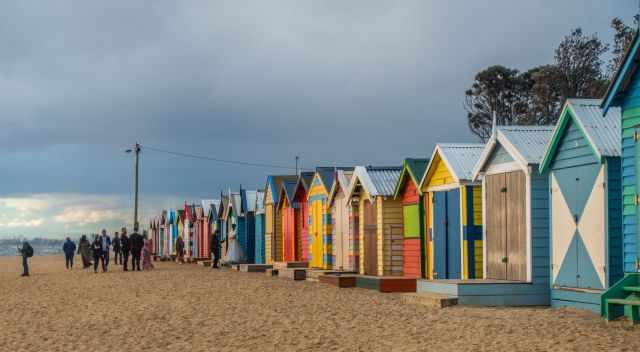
point(496, 89)
point(621, 41)
point(547, 95)
point(578, 58)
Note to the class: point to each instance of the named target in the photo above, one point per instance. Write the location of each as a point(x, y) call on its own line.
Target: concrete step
point(432, 300)
point(296, 274)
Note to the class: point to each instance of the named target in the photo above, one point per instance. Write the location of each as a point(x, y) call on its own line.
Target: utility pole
point(136, 151)
point(297, 160)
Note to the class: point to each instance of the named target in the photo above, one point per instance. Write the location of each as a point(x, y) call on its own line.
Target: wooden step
point(432, 300)
point(296, 274)
point(254, 268)
point(631, 288)
point(624, 302)
point(341, 281)
point(386, 283)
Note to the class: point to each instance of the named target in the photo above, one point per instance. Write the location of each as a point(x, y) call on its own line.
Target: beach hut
point(516, 201)
point(212, 218)
point(202, 244)
point(407, 189)
point(222, 224)
point(162, 242)
point(344, 217)
point(453, 212)
point(187, 229)
point(259, 228)
point(624, 93)
point(301, 213)
point(286, 212)
point(234, 214)
point(248, 199)
point(583, 163)
point(272, 223)
point(380, 220)
point(320, 254)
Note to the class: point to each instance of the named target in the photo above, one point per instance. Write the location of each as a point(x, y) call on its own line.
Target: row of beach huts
point(539, 215)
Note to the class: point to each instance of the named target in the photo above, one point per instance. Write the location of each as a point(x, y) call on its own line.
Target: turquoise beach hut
point(583, 163)
point(624, 92)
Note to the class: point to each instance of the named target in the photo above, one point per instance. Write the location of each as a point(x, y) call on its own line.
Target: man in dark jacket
point(215, 249)
point(136, 248)
point(69, 249)
point(125, 246)
point(26, 251)
point(117, 249)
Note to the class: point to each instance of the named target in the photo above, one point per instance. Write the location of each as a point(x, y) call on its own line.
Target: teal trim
point(610, 97)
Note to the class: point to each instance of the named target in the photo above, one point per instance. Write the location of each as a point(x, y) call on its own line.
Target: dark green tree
point(621, 41)
point(496, 89)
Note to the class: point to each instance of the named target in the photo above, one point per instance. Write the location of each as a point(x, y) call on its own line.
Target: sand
point(192, 308)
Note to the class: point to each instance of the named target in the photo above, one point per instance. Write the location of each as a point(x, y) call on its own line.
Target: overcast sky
point(336, 82)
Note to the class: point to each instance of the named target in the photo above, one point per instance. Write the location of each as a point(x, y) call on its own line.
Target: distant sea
point(41, 246)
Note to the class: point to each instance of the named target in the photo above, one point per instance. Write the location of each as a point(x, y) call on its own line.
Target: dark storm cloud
point(334, 81)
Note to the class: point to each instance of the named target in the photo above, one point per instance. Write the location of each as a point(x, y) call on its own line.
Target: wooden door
point(495, 190)
point(316, 231)
point(354, 234)
point(516, 226)
point(439, 235)
point(370, 239)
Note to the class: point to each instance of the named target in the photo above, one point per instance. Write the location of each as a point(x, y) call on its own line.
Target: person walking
point(180, 249)
point(84, 249)
point(117, 249)
point(105, 244)
point(137, 242)
point(147, 263)
point(26, 251)
point(96, 247)
point(69, 249)
point(215, 249)
point(125, 246)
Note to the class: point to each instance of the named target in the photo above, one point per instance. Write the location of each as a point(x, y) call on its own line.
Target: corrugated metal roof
point(259, 201)
point(529, 141)
point(461, 158)
point(275, 183)
point(378, 180)
point(417, 166)
point(236, 203)
point(602, 131)
point(306, 178)
point(249, 199)
point(289, 187)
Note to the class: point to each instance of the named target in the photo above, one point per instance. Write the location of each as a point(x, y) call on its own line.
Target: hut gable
point(525, 145)
point(583, 135)
point(451, 164)
point(412, 170)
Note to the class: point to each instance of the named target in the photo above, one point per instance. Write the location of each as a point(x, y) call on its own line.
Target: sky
point(335, 82)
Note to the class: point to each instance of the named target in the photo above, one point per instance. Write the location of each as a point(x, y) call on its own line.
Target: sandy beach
point(192, 308)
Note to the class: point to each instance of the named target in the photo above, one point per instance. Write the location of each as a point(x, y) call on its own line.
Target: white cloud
point(23, 223)
point(87, 215)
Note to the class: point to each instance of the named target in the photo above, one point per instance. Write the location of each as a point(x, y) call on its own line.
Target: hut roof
point(526, 144)
point(376, 180)
point(413, 168)
point(460, 158)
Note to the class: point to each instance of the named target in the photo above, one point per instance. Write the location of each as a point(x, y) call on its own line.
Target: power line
point(202, 157)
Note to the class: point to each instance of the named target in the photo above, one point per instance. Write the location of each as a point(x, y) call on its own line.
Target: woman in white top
point(234, 252)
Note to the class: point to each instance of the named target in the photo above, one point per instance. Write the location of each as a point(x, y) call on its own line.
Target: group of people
point(97, 252)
